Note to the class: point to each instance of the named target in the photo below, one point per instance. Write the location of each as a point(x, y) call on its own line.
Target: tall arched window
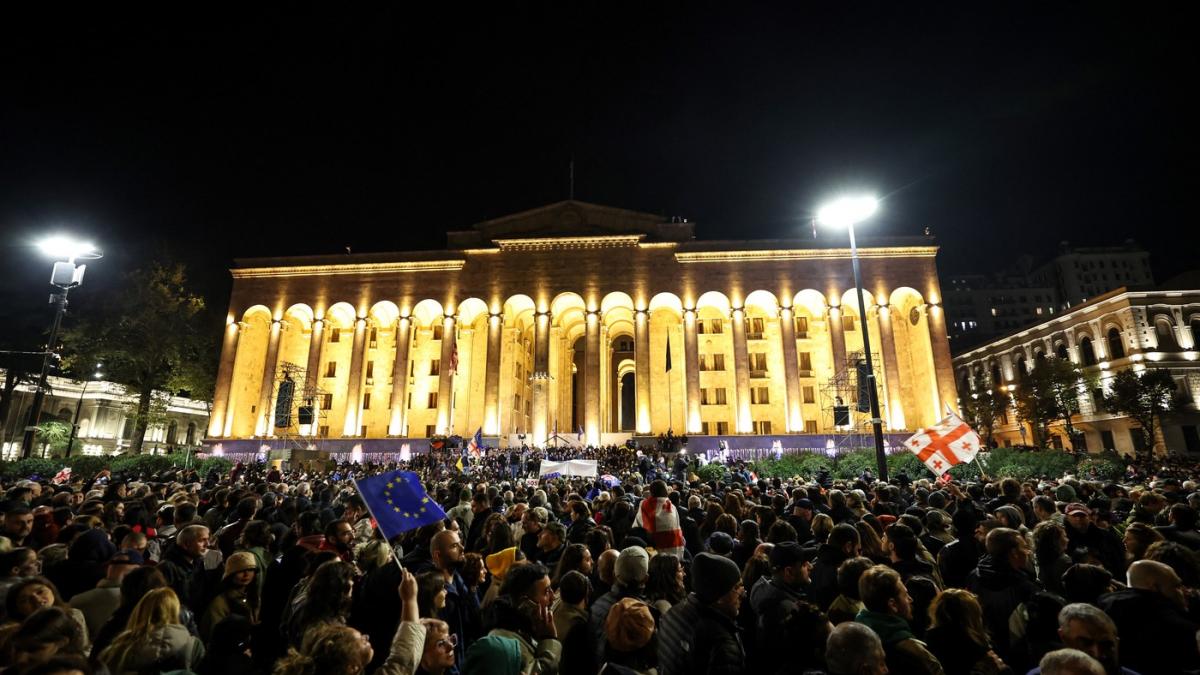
point(1116, 346)
point(1022, 372)
point(1061, 351)
point(1166, 335)
point(191, 433)
point(996, 375)
point(1087, 352)
point(172, 432)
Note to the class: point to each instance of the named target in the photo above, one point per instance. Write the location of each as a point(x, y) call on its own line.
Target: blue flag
point(398, 503)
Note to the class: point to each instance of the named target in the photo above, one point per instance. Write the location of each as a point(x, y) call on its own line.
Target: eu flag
point(398, 502)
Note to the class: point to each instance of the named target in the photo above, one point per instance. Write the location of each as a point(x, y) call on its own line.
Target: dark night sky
point(253, 131)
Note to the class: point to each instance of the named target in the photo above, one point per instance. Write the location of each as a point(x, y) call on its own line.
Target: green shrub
point(806, 464)
point(222, 465)
point(710, 472)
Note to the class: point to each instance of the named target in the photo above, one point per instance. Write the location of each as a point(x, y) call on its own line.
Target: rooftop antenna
point(571, 171)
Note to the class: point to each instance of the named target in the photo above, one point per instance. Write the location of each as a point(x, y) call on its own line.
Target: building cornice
point(360, 268)
point(805, 254)
point(551, 243)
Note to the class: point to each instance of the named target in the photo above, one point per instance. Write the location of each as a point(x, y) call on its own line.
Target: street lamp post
point(66, 275)
point(75, 423)
point(845, 212)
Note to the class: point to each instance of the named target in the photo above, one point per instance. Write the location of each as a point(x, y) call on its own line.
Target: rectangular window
point(432, 403)
point(331, 369)
point(374, 338)
point(718, 326)
point(718, 362)
point(722, 428)
point(700, 328)
point(517, 402)
point(437, 331)
point(758, 363)
point(801, 327)
point(363, 431)
point(721, 396)
point(326, 401)
point(435, 367)
point(370, 369)
point(809, 395)
point(762, 427)
point(704, 428)
point(810, 426)
point(754, 326)
point(805, 362)
point(760, 395)
point(1191, 438)
point(412, 368)
point(703, 362)
point(335, 335)
point(528, 408)
point(430, 430)
point(367, 401)
point(323, 431)
point(705, 399)
point(409, 400)
point(848, 324)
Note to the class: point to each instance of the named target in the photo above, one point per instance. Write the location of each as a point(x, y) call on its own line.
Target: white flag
point(949, 442)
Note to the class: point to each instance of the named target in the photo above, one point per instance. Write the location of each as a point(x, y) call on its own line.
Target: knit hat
point(493, 655)
point(633, 565)
point(1064, 493)
point(499, 563)
point(713, 576)
point(239, 562)
point(720, 543)
point(629, 625)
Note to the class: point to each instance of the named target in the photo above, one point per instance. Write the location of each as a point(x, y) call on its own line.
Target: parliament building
point(579, 323)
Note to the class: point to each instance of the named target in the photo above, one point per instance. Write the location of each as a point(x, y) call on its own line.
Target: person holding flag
point(398, 503)
point(947, 443)
point(475, 447)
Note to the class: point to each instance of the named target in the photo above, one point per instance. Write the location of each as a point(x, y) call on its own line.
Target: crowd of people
point(649, 570)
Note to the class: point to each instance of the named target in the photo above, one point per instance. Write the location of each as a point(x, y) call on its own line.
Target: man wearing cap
point(700, 634)
point(98, 604)
point(628, 632)
point(801, 518)
point(1082, 533)
point(631, 571)
point(773, 598)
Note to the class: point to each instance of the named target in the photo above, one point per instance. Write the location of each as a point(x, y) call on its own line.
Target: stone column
point(641, 369)
point(741, 371)
point(1072, 349)
point(791, 370)
point(491, 380)
point(445, 378)
point(837, 339)
point(943, 365)
point(1099, 343)
point(540, 378)
point(218, 425)
point(312, 372)
point(350, 426)
point(266, 421)
point(891, 368)
point(591, 380)
point(691, 363)
point(399, 402)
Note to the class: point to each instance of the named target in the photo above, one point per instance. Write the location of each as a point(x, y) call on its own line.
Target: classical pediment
point(572, 219)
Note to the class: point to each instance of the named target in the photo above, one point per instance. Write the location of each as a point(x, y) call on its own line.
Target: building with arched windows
point(585, 322)
point(1119, 330)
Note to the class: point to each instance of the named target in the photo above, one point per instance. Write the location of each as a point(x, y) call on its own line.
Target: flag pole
point(367, 503)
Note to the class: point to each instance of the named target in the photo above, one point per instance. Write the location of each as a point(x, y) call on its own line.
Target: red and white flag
point(949, 442)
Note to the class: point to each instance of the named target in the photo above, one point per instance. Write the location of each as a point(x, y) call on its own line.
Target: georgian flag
point(475, 447)
point(949, 442)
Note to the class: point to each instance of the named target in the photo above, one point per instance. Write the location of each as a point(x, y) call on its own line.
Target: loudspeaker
point(864, 388)
point(283, 404)
point(304, 414)
point(841, 415)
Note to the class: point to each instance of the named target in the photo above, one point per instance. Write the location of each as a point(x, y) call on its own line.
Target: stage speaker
point(283, 404)
point(304, 414)
point(841, 415)
point(864, 388)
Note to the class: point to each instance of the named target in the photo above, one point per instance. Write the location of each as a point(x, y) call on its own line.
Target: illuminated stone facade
point(1117, 331)
point(563, 316)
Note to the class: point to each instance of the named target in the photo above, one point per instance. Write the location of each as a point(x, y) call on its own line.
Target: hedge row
point(1000, 463)
point(86, 466)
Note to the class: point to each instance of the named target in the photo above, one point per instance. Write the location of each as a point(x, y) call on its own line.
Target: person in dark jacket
point(959, 557)
point(1102, 544)
point(1156, 634)
point(532, 523)
point(773, 598)
point(183, 567)
point(581, 523)
point(630, 574)
point(1001, 583)
point(957, 636)
point(481, 508)
point(887, 610)
point(699, 635)
point(844, 543)
point(1182, 529)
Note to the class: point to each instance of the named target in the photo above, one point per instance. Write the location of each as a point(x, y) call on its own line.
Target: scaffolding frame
point(843, 387)
point(307, 393)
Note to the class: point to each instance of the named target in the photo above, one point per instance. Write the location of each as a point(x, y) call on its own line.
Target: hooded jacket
point(695, 639)
point(1000, 590)
point(905, 653)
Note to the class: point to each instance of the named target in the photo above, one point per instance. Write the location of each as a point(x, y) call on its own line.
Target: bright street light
point(845, 212)
point(62, 247)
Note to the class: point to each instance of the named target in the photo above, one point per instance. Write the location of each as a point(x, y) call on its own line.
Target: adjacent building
point(104, 411)
point(577, 321)
point(1122, 329)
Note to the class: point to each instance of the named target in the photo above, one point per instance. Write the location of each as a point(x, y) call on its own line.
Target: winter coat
point(170, 645)
point(1156, 637)
point(958, 653)
point(599, 613)
point(538, 657)
point(772, 602)
point(695, 639)
point(232, 601)
point(1000, 590)
point(905, 653)
point(824, 588)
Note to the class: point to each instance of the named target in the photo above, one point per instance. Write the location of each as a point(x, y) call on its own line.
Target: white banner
point(574, 467)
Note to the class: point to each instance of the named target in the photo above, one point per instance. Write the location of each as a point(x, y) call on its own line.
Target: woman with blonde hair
point(956, 635)
point(153, 638)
